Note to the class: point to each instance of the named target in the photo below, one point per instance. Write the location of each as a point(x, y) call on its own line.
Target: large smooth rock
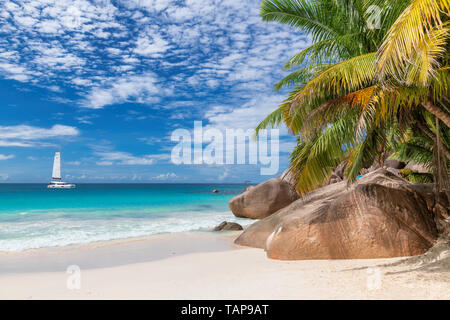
point(261, 201)
point(379, 216)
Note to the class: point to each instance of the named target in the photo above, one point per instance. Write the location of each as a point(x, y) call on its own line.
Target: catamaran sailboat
point(56, 182)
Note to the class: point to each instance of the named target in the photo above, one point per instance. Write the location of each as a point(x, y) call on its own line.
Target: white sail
point(56, 182)
point(57, 167)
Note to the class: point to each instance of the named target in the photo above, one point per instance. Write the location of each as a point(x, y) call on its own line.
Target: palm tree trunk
point(432, 136)
point(437, 112)
point(441, 176)
point(438, 162)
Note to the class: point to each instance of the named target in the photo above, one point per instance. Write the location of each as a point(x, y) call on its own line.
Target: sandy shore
point(209, 266)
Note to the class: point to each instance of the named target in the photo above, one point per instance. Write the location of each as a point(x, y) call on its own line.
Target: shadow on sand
point(435, 260)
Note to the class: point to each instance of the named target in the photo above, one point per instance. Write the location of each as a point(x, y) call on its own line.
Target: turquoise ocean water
point(32, 216)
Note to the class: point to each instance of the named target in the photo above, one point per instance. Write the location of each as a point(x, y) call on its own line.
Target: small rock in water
point(215, 191)
point(228, 226)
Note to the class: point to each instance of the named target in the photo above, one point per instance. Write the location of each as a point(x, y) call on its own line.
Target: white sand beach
point(209, 266)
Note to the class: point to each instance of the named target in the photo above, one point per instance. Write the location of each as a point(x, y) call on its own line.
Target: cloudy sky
point(107, 82)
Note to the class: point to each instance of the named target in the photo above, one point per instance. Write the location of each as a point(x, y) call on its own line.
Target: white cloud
point(29, 136)
point(166, 176)
point(224, 175)
point(26, 21)
point(6, 157)
point(153, 46)
point(49, 26)
point(152, 140)
point(6, 143)
point(54, 88)
point(191, 46)
point(105, 163)
point(180, 14)
point(81, 82)
point(108, 158)
point(114, 51)
point(54, 56)
point(150, 5)
point(247, 116)
point(86, 119)
point(14, 72)
point(25, 132)
point(141, 89)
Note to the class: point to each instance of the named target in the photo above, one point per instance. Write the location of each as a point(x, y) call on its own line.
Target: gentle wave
point(19, 236)
point(33, 217)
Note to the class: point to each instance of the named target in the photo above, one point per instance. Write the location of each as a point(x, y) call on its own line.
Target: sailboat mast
point(56, 175)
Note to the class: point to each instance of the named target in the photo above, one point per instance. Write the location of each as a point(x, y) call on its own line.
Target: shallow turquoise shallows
point(32, 216)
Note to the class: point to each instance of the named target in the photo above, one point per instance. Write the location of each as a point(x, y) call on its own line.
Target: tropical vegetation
point(372, 85)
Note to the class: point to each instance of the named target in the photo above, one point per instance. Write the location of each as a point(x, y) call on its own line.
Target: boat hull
point(66, 186)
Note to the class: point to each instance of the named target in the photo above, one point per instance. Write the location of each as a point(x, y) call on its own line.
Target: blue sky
point(106, 82)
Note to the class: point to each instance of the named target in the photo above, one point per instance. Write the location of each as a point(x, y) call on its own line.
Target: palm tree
point(414, 51)
point(414, 54)
point(343, 106)
point(417, 144)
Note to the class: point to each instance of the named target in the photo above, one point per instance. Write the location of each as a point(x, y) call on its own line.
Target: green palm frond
point(417, 177)
point(314, 160)
point(303, 14)
point(331, 110)
point(327, 50)
point(272, 120)
point(335, 81)
point(341, 78)
point(410, 29)
point(301, 76)
point(365, 152)
point(414, 150)
point(426, 59)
